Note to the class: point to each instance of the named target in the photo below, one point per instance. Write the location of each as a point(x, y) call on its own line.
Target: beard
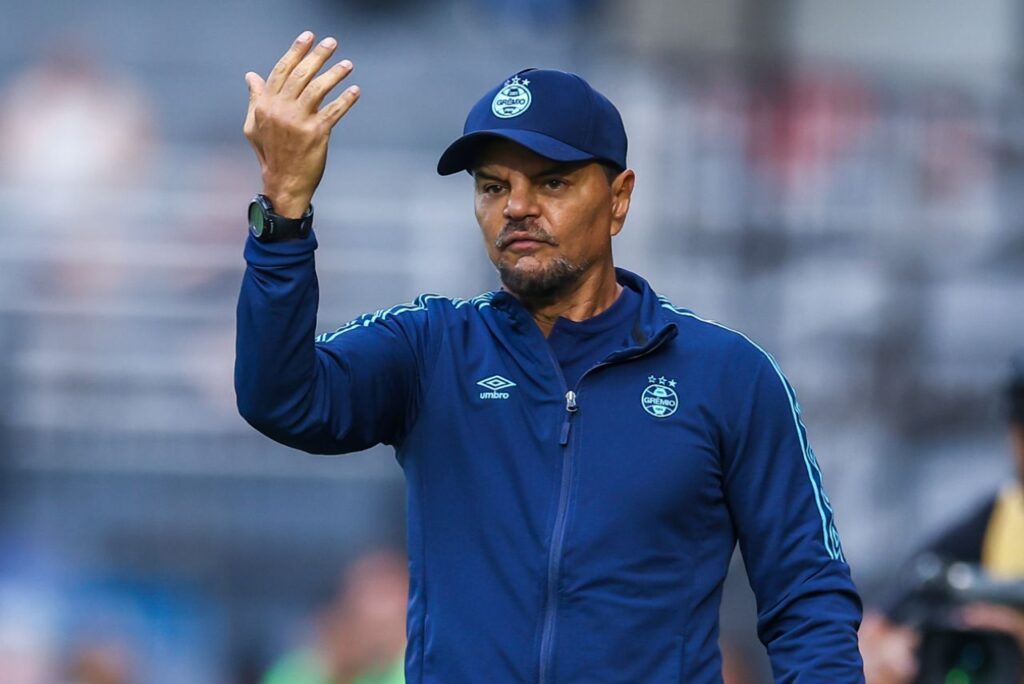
point(537, 285)
point(545, 284)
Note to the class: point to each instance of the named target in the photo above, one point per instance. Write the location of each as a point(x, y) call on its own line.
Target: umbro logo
point(494, 385)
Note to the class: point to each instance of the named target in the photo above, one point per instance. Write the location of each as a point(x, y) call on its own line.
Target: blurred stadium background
point(842, 181)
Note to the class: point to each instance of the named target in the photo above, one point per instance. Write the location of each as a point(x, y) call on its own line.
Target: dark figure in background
point(991, 537)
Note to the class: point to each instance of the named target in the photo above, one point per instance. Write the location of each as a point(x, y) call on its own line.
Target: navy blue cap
point(554, 113)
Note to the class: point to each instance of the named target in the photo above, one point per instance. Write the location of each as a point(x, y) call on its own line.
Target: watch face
point(256, 219)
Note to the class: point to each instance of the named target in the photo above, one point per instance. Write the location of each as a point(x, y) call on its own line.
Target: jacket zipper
point(557, 538)
point(547, 639)
point(570, 408)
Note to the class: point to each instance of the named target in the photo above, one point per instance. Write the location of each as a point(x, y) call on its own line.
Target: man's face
point(546, 223)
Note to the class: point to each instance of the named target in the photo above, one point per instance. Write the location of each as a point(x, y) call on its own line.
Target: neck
point(595, 291)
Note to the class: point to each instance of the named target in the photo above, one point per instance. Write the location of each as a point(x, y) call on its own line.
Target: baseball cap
point(554, 113)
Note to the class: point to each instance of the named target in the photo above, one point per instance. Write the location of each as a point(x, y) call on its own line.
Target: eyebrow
point(477, 173)
point(558, 169)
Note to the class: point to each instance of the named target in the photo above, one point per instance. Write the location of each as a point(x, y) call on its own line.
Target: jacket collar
point(650, 329)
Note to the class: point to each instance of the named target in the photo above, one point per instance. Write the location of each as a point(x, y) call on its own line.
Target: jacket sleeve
point(808, 608)
point(340, 392)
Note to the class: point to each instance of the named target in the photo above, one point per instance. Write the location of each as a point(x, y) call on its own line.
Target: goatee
point(541, 286)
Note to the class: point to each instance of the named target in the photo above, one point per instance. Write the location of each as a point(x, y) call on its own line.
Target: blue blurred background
point(842, 181)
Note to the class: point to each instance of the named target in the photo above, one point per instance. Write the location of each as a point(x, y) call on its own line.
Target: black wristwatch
point(266, 226)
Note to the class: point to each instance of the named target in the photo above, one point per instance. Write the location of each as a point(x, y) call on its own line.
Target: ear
point(622, 191)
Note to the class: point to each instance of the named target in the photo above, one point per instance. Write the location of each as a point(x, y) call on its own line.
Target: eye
point(554, 184)
point(492, 189)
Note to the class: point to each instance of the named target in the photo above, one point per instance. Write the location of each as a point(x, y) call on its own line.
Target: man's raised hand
point(287, 126)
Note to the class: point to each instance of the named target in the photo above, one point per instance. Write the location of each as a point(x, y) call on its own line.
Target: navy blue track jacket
point(563, 535)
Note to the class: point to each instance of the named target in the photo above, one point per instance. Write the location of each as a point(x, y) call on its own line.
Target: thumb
point(255, 83)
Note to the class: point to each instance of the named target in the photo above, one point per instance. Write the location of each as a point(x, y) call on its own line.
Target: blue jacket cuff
point(285, 253)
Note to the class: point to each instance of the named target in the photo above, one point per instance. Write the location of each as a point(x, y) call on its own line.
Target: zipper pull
point(570, 408)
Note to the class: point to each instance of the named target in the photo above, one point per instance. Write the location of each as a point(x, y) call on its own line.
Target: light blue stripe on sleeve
point(830, 535)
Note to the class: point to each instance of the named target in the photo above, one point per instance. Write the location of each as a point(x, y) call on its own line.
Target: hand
point(286, 125)
point(996, 618)
point(888, 650)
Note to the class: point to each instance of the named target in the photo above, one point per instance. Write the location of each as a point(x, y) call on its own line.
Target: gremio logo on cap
point(513, 99)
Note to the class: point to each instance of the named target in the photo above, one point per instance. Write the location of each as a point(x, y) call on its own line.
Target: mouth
point(524, 245)
point(522, 242)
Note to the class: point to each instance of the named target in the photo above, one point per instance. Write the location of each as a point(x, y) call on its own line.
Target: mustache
point(532, 231)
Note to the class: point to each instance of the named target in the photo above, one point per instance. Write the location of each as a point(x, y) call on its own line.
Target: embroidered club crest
point(659, 399)
point(513, 99)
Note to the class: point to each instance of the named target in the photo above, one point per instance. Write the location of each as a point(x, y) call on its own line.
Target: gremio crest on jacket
point(659, 398)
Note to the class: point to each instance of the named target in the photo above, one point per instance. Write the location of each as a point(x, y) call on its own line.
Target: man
point(581, 456)
point(989, 537)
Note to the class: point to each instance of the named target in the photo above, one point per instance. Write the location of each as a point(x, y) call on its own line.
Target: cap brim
point(460, 154)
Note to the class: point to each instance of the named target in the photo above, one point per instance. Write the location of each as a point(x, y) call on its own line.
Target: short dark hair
point(611, 171)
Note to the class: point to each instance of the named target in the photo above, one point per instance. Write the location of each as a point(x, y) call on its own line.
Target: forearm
point(811, 635)
point(288, 201)
point(808, 607)
point(275, 364)
point(345, 393)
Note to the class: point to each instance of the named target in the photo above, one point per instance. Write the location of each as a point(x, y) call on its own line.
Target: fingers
point(315, 92)
point(333, 112)
point(295, 79)
point(255, 83)
point(304, 72)
point(256, 86)
point(283, 69)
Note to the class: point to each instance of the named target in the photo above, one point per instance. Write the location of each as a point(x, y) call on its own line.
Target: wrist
point(268, 224)
point(287, 204)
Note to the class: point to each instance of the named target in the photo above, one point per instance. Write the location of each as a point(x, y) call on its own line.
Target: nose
point(521, 202)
